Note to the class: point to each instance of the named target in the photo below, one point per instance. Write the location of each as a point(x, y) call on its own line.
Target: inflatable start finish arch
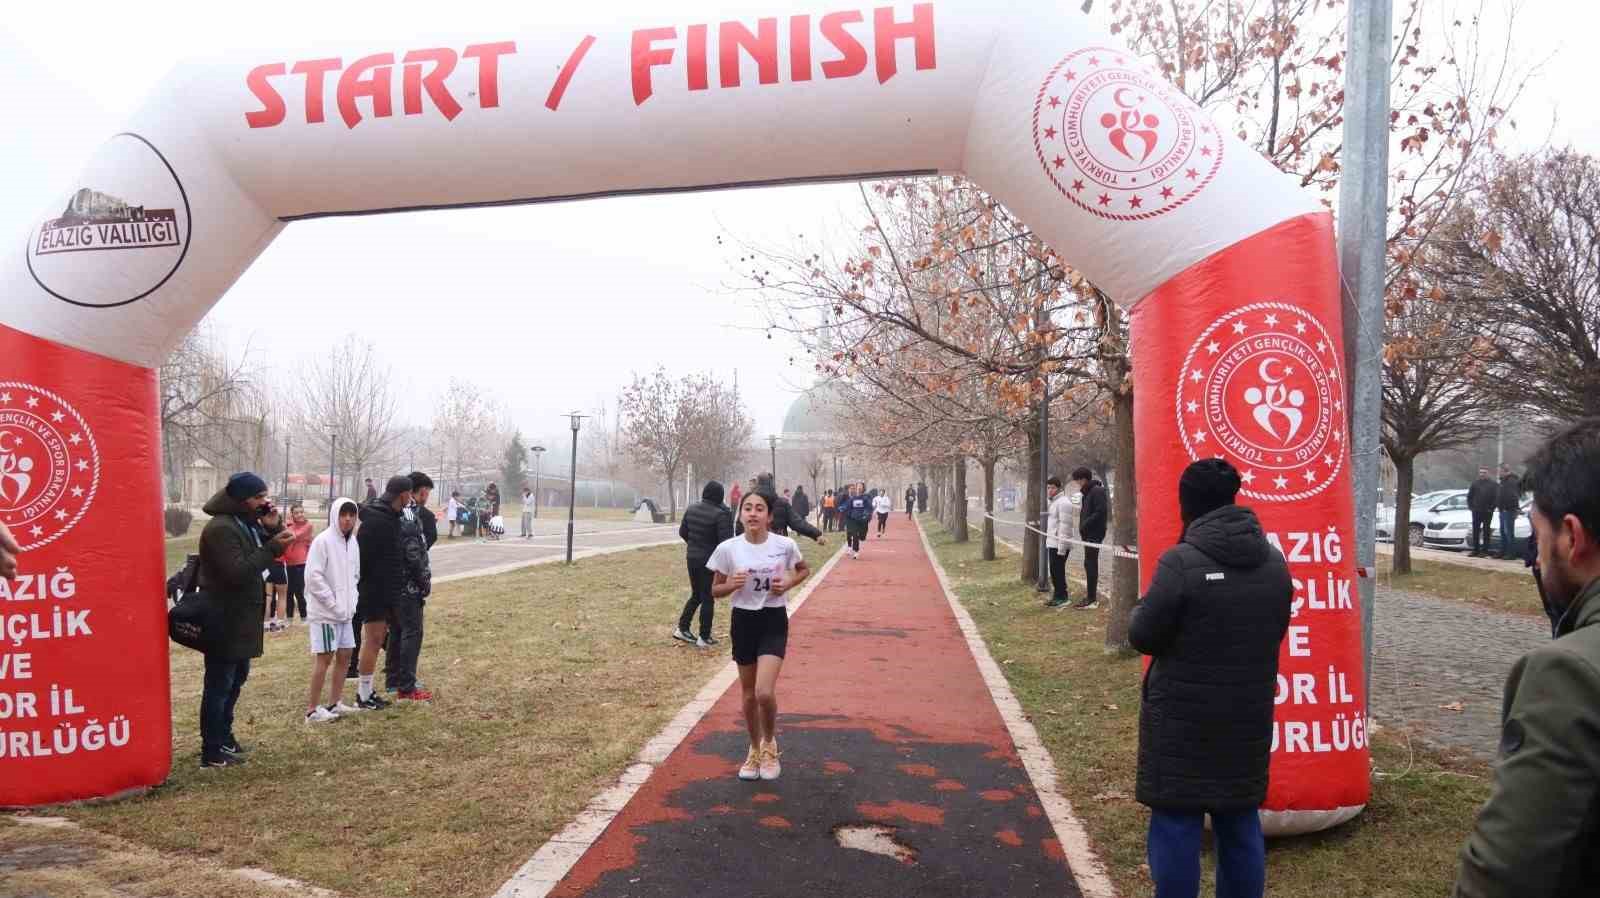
point(1229, 269)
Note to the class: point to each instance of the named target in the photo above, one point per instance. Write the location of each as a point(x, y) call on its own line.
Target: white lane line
point(549, 559)
point(556, 858)
point(1081, 860)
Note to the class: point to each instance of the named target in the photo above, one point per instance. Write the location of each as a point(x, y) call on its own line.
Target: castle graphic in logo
point(100, 221)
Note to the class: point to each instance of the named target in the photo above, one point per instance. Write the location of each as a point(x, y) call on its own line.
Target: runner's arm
point(792, 579)
point(723, 585)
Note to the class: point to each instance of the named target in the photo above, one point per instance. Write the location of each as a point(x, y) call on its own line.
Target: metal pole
point(286, 446)
point(1500, 449)
point(333, 455)
point(1363, 204)
point(773, 442)
point(572, 485)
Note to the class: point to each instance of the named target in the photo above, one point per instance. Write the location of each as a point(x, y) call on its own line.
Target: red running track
point(884, 720)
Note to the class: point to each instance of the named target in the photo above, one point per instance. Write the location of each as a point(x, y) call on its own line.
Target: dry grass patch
point(48, 861)
point(547, 681)
point(1499, 590)
point(1085, 705)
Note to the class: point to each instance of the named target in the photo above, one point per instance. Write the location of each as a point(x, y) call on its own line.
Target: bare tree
point(660, 431)
point(722, 433)
point(1529, 256)
point(201, 387)
point(348, 391)
point(464, 428)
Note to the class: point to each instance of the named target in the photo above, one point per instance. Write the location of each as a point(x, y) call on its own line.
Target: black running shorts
point(757, 633)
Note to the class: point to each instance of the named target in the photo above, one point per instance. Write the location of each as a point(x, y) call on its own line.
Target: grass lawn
point(39, 860)
point(1499, 590)
point(547, 680)
point(1085, 705)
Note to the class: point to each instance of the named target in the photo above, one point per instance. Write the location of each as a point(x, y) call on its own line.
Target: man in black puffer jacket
point(706, 525)
point(784, 518)
point(1211, 622)
point(383, 577)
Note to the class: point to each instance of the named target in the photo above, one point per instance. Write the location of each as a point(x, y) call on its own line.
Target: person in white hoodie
point(332, 570)
point(1058, 536)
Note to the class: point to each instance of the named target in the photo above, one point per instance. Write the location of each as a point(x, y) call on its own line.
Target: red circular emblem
point(1118, 140)
point(1262, 388)
point(49, 464)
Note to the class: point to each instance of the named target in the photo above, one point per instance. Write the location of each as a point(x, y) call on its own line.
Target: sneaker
point(769, 761)
point(701, 644)
point(221, 760)
point(709, 640)
point(1056, 603)
point(375, 702)
point(681, 635)
point(233, 749)
point(321, 715)
point(341, 708)
point(414, 695)
point(1086, 606)
point(752, 765)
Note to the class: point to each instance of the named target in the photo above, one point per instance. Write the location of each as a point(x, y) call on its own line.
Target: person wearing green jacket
point(242, 539)
point(1537, 835)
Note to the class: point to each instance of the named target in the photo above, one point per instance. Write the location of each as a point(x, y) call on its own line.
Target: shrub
point(177, 520)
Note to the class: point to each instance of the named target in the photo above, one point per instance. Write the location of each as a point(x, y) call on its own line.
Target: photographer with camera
point(244, 537)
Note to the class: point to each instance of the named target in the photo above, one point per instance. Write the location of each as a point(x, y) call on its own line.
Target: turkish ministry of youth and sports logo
point(1262, 387)
point(1118, 140)
point(49, 464)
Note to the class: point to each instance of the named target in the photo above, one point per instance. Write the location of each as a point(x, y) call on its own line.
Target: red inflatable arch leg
point(1229, 263)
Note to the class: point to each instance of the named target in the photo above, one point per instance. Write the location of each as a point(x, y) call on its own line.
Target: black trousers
point(296, 596)
point(858, 532)
point(404, 645)
point(1481, 523)
point(1091, 572)
point(883, 521)
point(1058, 573)
point(700, 579)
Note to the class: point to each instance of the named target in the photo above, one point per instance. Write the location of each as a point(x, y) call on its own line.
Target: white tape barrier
point(1112, 548)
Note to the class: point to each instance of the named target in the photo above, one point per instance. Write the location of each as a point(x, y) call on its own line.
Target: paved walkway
point(1431, 653)
point(886, 725)
point(1460, 559)
point(462, 557)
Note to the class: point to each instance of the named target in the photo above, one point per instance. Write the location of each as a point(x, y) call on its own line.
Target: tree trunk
point(1404, 472)
point(672, 494)
point(988, 509)
point(1124, 512)
point(1032, 505)
point(958, 521)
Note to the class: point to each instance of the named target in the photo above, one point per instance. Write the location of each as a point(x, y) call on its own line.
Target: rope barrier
point(1111, 548)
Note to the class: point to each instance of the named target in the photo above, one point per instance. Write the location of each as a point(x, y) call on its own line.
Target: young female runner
point(758, 568)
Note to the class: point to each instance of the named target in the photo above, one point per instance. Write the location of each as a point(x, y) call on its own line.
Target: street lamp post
point(333, 462)
point(538, 455)
point(572, 484)
point(772, 440)
point(286, 446)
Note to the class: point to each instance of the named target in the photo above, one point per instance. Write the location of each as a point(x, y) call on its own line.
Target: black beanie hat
point(1206, 486)
point(712, 493)
point(397, 485)
point(244, 485)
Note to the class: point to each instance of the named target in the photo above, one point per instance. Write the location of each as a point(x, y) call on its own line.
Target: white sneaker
point(321, 715)
point(701, 643)
point(769, 768)
point(342, 709)
point(751, 769)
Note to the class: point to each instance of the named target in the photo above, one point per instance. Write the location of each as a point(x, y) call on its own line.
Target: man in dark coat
point(405, 624)
point(784, 517)
point(1480, 501)
point(383, 576)
point(238, 544)
point(1536, 836)
point(1508, 499)
point(1092, 517)
point(801, 503)
point(1211, 622)
point(705, 525)
point(911, 501)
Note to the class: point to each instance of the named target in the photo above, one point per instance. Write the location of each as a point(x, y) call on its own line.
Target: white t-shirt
point(765, 563)
point(882, 505)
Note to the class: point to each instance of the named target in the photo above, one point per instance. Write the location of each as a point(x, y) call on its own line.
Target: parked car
point(1452, 529)
point(1421, 508)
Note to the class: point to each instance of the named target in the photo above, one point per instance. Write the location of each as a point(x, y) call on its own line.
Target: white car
point(1422, 507)
point(1451, 528)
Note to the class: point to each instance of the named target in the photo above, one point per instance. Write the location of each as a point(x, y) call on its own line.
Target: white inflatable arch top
point(1236, 327)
